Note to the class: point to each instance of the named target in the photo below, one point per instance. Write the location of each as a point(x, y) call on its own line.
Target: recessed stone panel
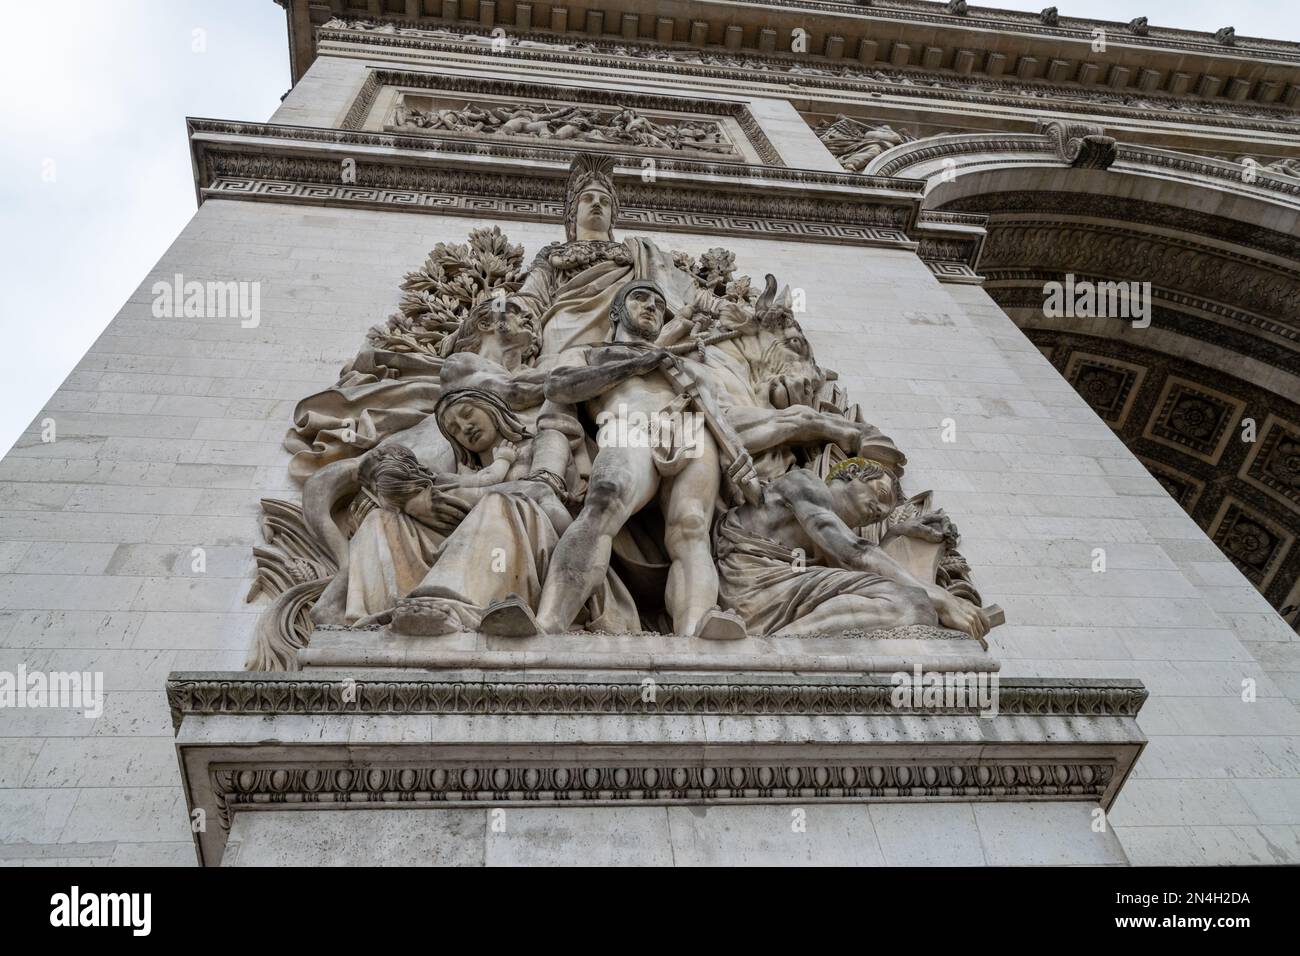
point(1195, 419)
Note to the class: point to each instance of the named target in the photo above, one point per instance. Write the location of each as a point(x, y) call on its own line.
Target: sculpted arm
point(538, 288)
point(571, 384)
point(523, 389)
point(811, 502)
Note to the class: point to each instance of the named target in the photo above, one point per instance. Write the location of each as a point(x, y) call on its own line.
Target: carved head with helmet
point(639, 309)
point(590, 200)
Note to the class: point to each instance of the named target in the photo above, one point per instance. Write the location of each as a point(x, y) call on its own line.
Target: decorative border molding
point(522, 784)
point(1026, 203)
point(1150, 158)
point(1196, 269)
point(299, 164)
point(218, 131)
point(1032, 24)
point(983, 150)
point(256, 742)
point(274, 693)
point(950, 244)
point(912, 83)
point(1009, 148)
point(379, 78)
point(1023, 289)
point(955, 272)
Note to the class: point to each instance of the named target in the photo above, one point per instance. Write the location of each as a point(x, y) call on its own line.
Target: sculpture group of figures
point(619, 439)
point(855, 144)
point(624, 127)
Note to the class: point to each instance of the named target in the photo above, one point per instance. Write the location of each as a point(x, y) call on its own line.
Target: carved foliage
point(454, 278)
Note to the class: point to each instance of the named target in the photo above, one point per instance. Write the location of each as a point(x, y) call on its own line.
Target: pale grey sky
point(95, 178)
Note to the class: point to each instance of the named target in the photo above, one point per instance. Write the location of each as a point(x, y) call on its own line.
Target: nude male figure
point(846, 582)
point(625, 477)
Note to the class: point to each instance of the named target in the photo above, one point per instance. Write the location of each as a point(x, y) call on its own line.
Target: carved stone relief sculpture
point(568, 123)
point(855, 144)
point(620, 439)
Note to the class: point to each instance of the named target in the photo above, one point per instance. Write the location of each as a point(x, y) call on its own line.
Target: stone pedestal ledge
point(407, 739)
point(882, 651)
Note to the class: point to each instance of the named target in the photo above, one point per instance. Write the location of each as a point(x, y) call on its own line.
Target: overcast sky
point(95, 178)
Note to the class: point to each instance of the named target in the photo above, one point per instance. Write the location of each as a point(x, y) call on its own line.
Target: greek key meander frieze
point(829, 74)
point(451, 203)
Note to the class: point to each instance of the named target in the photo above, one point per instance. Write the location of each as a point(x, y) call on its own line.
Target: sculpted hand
point(742, 470)
point(960, 614)
point(935, 527)
point(662, 358)
point(446, 512)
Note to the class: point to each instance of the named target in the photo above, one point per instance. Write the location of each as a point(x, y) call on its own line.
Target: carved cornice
point(1169, 160)
point(396, 740)
point(1033, 24)
point(829, 74)
point(524, 181)
point(275, 693)
point(1064, 143)
point(950, 244)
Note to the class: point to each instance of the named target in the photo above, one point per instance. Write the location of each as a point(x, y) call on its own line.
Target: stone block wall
point(169, 432)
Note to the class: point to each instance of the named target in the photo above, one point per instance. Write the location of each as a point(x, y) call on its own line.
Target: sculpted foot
point(510, 617)
point(423, 617)
point(718, 625)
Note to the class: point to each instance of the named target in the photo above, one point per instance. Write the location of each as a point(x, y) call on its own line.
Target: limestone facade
point(170, 430)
